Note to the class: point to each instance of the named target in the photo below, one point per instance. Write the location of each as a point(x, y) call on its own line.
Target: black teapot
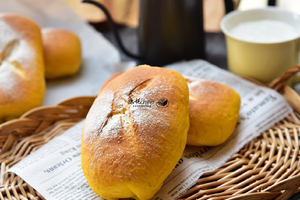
point(169, 30)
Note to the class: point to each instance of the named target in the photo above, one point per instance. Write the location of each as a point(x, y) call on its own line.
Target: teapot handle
point(228, 6)
point(113, 28)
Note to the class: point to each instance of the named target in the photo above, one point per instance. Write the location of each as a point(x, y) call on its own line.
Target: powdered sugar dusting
point(196, 85)
point(113, 114)
point(151, 115)
point(112, 127)
point(98, 115)
point(108, 117)
point(14, 50)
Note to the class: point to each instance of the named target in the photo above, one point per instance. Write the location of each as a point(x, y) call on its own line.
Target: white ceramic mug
point(263, 61)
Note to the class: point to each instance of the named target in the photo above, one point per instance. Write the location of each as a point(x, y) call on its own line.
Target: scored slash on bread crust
point(129, 149)
point(22, 84)
point(213, 111)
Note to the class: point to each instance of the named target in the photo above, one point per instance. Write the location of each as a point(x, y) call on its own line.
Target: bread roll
point(22, 82)
point(62, 52)
point(135, 133)
point(214, 111)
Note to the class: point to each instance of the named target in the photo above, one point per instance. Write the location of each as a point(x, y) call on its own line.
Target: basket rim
point(37, 123)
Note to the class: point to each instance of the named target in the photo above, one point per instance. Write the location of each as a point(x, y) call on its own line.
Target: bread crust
point(129, 151)
point(22, 84)
point(109, 79)
point(214, 111)
point(62, 53)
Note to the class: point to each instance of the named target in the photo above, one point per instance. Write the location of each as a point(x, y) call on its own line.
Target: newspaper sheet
point(55, 170)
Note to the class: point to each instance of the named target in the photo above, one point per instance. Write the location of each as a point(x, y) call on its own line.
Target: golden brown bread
point(214, 111)
point(109, 79)
point(62, 53)
point(22, 84)
point(135, 133)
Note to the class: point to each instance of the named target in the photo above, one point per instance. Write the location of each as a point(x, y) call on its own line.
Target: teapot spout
point(113, 28)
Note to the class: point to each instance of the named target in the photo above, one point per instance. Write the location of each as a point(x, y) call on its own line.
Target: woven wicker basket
point(266, 168)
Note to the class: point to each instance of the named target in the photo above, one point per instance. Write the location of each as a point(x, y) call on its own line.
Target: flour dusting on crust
point(15, 53)
point(112, 114)
point(98, 115)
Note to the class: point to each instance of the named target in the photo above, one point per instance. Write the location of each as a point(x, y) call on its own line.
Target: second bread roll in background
point(62, 53)
point(214, 112)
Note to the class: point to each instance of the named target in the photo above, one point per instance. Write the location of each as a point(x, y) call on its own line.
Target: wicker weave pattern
point(20, 137)
point(266, 168)
point(12, 186)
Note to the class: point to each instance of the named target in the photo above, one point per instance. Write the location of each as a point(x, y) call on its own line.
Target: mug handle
point(280, 82)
